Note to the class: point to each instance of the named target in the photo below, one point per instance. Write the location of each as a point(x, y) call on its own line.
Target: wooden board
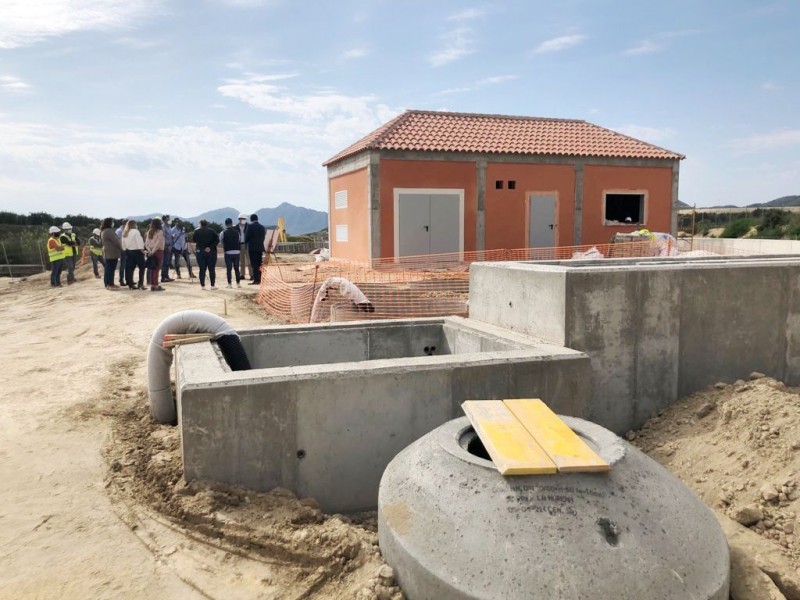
point(569, 452)
point(512, 449)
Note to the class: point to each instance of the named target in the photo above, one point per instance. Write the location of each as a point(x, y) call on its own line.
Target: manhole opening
point(475, 446)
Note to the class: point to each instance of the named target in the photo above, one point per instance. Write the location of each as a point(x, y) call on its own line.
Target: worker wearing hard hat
point(55, 252)
point(95, 246)
point(241, 229)
point(71, 244)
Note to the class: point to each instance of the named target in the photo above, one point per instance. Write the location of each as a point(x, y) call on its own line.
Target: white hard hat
point(243, 216)
point(66, 225)
point(54, 229)
point(95, 231)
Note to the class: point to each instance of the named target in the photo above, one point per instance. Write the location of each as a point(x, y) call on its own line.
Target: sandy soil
point(738, 447)
point(92, 503)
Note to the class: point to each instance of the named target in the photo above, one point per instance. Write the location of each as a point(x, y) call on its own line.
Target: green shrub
point(737, 228)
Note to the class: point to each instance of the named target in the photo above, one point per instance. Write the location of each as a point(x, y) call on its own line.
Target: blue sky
point(118, 107)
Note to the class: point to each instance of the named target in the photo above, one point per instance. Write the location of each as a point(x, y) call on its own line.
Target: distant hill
point(779, 202)
point(683, 204)
point(299, 220)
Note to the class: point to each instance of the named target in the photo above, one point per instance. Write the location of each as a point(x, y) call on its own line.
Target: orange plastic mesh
point(430, 285)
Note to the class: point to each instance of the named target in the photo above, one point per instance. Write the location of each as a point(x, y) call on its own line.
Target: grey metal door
point(541, 221)
point(428, 224)
point(445, 228)
point(414, 221)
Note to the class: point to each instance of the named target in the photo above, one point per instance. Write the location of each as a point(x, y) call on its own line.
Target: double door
point(428, 222)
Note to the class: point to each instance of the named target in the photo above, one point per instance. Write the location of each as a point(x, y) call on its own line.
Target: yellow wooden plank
point(511, 447)
point(569, 452)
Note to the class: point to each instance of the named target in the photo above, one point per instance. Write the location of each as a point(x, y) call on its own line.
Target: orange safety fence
point(429, 285)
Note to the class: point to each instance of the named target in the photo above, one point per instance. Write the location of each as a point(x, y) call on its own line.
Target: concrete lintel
point(348, 165)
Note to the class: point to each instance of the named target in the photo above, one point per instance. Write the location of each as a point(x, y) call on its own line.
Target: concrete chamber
point(452, 527)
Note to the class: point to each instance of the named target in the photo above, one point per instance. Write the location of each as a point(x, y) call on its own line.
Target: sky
point(120, 107)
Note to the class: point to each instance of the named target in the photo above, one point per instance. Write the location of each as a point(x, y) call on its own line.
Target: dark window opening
point(498, 185)
point(512, 185)
point(627, 209)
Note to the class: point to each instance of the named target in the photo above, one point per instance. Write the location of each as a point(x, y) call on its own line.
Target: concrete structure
point(745, 246)
point(453, 528)
point(655, 329)
point(438, 182)
point(326, 407)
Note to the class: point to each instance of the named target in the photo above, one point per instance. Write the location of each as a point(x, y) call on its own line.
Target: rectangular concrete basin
point(656, 329)
point(326, 407)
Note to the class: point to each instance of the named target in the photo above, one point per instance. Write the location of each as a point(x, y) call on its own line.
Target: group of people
point(124, 250)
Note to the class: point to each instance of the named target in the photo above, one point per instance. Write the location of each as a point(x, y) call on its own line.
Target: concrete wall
point(350, 342)
point(329, 430)
point(746, 246)
point(655, 330)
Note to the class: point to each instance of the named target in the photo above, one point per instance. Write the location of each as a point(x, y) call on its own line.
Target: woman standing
point(154, 246)
point(133, 246)
point(112, 250)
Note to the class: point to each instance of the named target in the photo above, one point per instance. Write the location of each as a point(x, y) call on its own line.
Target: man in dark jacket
point(205, 248)
point(254, 238)
point(230, 249)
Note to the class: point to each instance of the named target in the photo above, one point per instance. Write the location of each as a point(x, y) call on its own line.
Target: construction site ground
point(93, 504)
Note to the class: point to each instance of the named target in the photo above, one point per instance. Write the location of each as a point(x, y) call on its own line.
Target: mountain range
point(299, 220)
point(776, 203)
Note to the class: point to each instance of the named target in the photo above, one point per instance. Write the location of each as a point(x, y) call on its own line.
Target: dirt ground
point(93, 505)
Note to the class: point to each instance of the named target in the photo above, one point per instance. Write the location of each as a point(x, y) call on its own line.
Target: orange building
point(434, 182)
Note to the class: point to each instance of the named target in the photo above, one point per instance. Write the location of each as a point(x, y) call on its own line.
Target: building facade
point(436, 182)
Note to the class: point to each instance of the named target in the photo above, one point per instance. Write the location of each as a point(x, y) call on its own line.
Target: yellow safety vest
point(68, 250)
point(96, 250)
point(52, 253)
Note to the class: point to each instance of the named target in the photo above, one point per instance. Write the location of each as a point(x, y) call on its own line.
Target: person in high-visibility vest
point(96, 251)
point(55, 252)
point(71, 243)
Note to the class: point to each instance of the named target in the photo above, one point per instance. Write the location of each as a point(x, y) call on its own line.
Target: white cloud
point(560, 43)
point(647, 134)
point(770, 86)
point(644, 47)
point(25, 22)
point(327, 117)
point(767, 141)
point(467, 15)
point(481, 83)
point(354, 53)
point(10, 83)
point(188, 169)
point(457, 44)
point(658, 43)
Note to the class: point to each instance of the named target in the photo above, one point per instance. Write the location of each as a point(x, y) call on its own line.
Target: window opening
point(512, 185)
point(625, 208)
point(340, 199)
point(498, 185)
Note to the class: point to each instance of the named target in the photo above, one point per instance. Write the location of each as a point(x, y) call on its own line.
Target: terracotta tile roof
point(419, 130)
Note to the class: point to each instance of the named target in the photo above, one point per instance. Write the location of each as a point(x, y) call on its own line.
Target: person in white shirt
point(133, 248)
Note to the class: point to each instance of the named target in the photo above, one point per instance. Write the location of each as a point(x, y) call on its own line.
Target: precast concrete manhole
point(452, 527)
